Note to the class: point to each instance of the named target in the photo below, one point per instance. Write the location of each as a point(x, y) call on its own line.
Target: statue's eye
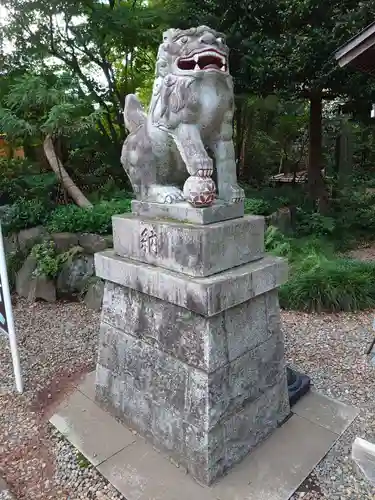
point(184, 39)
point(220, 40)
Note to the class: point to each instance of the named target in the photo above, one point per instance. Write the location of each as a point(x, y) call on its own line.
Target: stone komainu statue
point(191, 110)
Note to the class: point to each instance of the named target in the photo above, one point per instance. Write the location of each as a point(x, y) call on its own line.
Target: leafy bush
point(48, 261)
point(354, 214)
point(22, 179)
point(320, 284)
point(24, 214)
point(314, 224)
point(15, 260)
point(318, 279)
point(257, 206)
point(70, 218)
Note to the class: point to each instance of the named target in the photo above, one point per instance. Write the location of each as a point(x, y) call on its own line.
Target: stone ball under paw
point(200, 191)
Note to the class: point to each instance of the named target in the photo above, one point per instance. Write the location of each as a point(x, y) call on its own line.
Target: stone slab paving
point(91, 430)
point(4, 491)
point(272, 472)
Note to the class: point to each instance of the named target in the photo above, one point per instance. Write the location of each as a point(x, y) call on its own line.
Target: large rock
point(24, 240)
point(64, 241)
point(282, 219)
point(28, 237)
point(94, 295)
point(43, 288)
point(92, 243)
point(74, 275)
point(25, 275)
point(34, 287)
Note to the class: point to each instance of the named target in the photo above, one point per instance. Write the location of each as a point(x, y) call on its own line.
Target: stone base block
point(183, 211)
point(205, 389)
point(190, 249)
point(207, 295)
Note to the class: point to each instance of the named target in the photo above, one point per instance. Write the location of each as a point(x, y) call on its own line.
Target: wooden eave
point(359, 52)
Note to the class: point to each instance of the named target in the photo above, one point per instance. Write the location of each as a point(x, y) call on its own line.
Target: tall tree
point(286, 46)
point(47, 109)
point(105, 44)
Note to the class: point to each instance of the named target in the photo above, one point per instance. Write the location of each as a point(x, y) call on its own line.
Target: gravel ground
point(331, 349)
point(58, 344)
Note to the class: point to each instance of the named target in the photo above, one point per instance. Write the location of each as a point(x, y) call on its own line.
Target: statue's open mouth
point(203, 61)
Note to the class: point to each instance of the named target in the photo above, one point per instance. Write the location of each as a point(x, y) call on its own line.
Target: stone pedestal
point(191, 352)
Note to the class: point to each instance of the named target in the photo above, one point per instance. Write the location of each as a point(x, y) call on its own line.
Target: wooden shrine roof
point(359, 51)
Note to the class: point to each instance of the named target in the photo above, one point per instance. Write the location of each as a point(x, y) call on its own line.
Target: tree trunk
point(316, 186)
point(239, 135)
point(63, 176)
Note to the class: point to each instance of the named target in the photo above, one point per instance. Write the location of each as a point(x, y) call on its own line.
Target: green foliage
point(257, 206)
point(71, 218)
point(314, 223)
point(24, 214)
point(23, 179)
point(64, 218)
point(43, 104)
point(82, 461)
point(320, 284)
point(318, 279)
point(15, 260)
point(48, 260)
point(277, 243)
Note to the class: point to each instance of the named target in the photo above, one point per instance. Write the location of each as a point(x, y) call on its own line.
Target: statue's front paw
point(170, 195)
point(174, 197)
point(165, 194)
point(235, 194)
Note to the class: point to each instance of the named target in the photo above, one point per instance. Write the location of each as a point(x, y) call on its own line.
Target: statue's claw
point(234, 194)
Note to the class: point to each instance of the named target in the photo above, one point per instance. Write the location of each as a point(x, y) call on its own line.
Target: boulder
point(64, 241)
point(109, 240)
point(94, 295)
point(43, 288)
point(11, 243)
point(28, 237)
point(74, 275)
point(282, 219)
point(24, 276)
point(92, 243)
point(34, 287)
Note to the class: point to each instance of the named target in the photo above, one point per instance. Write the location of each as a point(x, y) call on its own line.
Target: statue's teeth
point(196, 67)
point(196, 58)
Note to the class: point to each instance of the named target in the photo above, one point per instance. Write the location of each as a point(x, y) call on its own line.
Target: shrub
point(314, 224)
point(15, 261)
point(23, 179)
point(257, 206)
point(48, 262)
point(320, 284)
point(98, 219)
point(318, 279)
point(24, 214)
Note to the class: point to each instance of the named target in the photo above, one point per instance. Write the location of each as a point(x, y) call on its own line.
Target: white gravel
point(58, 344)
point(331, 349)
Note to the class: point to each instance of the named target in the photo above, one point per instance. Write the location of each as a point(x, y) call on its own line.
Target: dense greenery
point(65, 218)
point(319, 280)
point(73, 62)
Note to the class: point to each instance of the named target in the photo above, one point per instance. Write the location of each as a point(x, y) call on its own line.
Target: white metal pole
point(8, 308)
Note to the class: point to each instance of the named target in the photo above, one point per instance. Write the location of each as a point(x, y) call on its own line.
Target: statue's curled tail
point(134, 115)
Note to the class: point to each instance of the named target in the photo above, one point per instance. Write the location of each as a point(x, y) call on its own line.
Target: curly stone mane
point(177, 100)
